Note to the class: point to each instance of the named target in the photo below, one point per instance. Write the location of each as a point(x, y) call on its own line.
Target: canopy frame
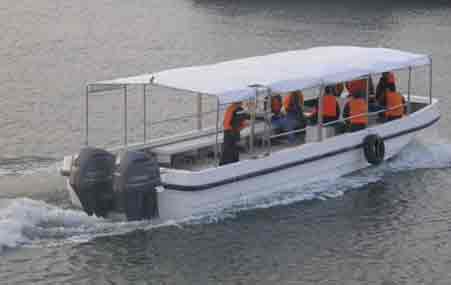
point(148, 80)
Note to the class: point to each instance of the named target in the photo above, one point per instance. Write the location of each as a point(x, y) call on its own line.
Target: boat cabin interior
point(202, 147)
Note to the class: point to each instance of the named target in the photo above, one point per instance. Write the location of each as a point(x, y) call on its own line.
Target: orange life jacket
point(276, 105)
point(358, 106)
point(289, 101)
point(393, 101)
point(228, 118)
point(329, 106)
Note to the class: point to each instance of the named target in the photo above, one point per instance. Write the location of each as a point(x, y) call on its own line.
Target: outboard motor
point(135, 182)
point(92, 179)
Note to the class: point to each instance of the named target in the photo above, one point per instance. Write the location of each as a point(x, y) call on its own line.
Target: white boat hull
point(189, 194)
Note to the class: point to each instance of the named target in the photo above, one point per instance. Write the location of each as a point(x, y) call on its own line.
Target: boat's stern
point(100, 184)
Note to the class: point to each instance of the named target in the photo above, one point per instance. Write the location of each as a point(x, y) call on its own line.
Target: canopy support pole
point(267, 124)
point(409, 106)
point(367, 96)
point(199, 111)
point(217, 134)
point(86, 115)
point(144, 112)
point(125, 115)
point(320, 113)
point(252, 135)
point(430, 80)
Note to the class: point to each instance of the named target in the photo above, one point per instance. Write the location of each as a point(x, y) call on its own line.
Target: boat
point(178, 176)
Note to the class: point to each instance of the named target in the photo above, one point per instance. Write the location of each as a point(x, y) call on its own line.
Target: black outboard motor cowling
point(92, 179)
point(135, 182)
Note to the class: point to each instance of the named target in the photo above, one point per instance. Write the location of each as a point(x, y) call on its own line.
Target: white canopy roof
point(282, 72)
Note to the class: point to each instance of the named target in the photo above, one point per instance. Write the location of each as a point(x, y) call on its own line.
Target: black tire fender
point(374, 149)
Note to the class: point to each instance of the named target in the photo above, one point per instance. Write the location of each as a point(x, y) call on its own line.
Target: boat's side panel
point(177, 204)
point(291, 167)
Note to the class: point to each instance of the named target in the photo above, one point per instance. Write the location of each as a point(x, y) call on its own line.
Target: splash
point(27, 222)
point(422, 155)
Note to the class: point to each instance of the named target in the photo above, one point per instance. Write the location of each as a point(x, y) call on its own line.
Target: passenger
point(356, 110)
point(331, 108)
point(387, 78)
point(393, 102)
point(295, 120)
point(360, 85)
point(234, 121)
point(277, 118)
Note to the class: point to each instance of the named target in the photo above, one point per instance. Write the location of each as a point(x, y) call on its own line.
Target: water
point(383, 225)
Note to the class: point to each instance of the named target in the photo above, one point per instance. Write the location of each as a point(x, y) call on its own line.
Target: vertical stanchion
point(367, 96)
point(268, 125)
point(87, 116)
point(217, 133)
point(199, 111)
point(125, 115)
point(320, 114)
point(144, 113)
point(409, 106)
point(253, 110)
point(430, 80)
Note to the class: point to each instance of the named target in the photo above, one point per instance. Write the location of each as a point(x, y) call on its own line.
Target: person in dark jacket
point(234, 121)
point(278, 122)
point(295, 120)
point(387, 80)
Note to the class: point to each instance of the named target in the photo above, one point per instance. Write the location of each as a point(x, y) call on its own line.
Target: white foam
point(422, 155)
point(27, 222)
point(24, 220)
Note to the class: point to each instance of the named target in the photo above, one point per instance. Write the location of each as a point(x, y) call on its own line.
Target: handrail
point(365, 114)
point(339, 120)
point(288, 133)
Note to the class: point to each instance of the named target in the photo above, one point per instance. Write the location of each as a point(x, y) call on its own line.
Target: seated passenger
point(387, 78)
point(294, 104)
point(393, 102)
point(361, 85)
point(234, 121)
point(331, 108)
point(277, 118)
point(355, 112)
